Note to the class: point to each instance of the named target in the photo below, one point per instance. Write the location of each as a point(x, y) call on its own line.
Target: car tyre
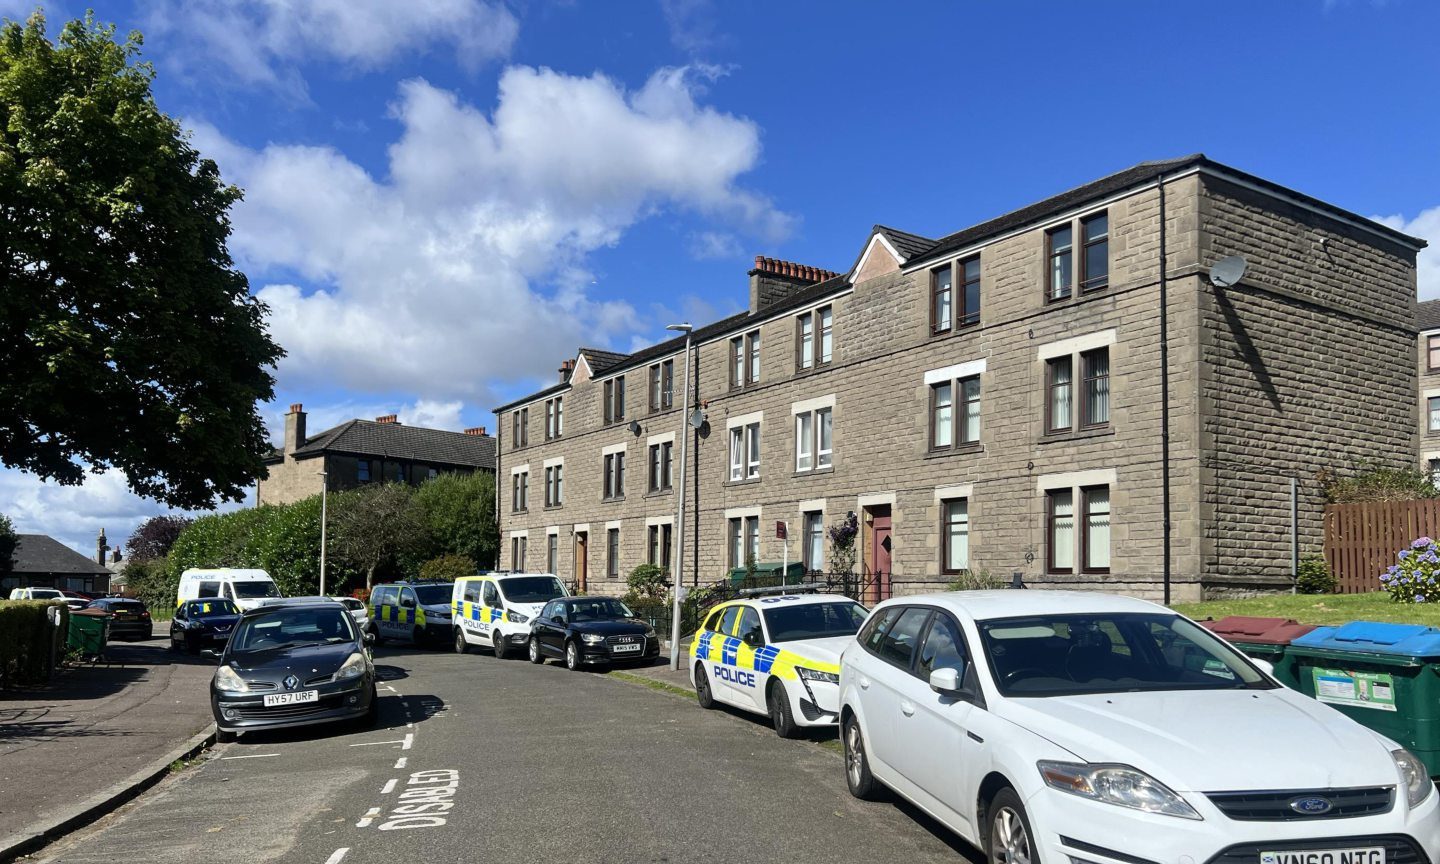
point(461, 646)
point(372, 714)
point(417, 636)
point(1008, 836)
point(535, 656)
point(375, 631)
point(572, 656)
point(861, 782)
point(703, 695)
point(191, 646)
point(497, 643)
point(780, 715)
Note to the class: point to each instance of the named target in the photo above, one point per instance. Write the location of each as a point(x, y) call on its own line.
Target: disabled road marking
point(254, 756)
point(373, 743)
point(389, 786)
point(400, 763)
point(409, 740)
point(338, 855)
point(368, 817)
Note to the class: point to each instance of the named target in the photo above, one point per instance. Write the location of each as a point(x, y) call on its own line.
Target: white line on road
point(409, 739)
point(389, 786)
point(255, 756)
point(409, 725)
point(373, 743)
point(400, 763)
point(368, 817)
point(337, 855)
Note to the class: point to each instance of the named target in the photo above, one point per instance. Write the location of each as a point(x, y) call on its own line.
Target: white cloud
point(1427, 226)
point(429, 279)
point(707, 245)
point(692, 25)
point(259, 42)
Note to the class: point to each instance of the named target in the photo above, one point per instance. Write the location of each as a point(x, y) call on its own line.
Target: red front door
point(879, 557)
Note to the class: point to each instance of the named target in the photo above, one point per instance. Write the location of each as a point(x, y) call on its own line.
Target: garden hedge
point(28, 640)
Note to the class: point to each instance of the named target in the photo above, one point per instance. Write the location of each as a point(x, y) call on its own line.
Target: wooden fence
point(1361, 539)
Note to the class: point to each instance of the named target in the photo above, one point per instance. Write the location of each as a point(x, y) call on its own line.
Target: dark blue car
point(202, 624)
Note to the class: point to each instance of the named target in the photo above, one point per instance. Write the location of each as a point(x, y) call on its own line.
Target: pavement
point(94, 729)
point(477, 759)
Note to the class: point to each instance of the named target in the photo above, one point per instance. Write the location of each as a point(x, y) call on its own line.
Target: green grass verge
point(661, 686)
point(1320, 609)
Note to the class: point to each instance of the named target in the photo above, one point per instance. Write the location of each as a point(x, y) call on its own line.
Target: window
point(471, 592)
point(552, 552)
point(517, 557)
point(898, 644)
point(659, 545)
point(942, 299)
point(1061, 270)
point(554, 418)
point(1433, 404)
point(745, 452)
point(520, 492)
point(949, 311)
point(614, 475)
point(1095, 538)
point(1095, 408)
point(612, 553)
point(362, 470)
point(554, 485)
point(943, 648)
point(813, 444)
point(662, 386)
point(1432, 353)
point(954, 535)
point(813, 541)
point(750, 631)
point(661, 466)
point(744, 543)
point(1094, 402)
point(491, 594)
point(815, 339)
point(952, 425)
point(1058, 385)
point(745, 359)
point(969, 312)
point(727, 619)
point(615, 400)
point(1094, 233)
point(521, 438)
point(872, 635)
point(1060, 549)
point(752, 537)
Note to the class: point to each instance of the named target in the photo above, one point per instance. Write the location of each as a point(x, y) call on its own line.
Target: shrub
point(648, 584)
point(1313, 576)
point(154, 583)
point(447, 568)
point(1413, 579)
point(1375, 483)
point(457, 514)
point(28, 640)
point(976, 580)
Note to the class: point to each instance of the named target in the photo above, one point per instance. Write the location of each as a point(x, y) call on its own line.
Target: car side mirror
point(754, 640)
point(558, 619)
point(367, 638)
point(946, 682)
point(1265, 666)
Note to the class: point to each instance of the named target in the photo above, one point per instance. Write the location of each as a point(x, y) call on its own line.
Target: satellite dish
point(697, 419)
point(1227, 271)
point(634, 427)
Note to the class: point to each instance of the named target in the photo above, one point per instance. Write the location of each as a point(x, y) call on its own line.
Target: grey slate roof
point(905, 243)
point(394, 441)
point(41, 554)
point(1427, 315)
point(601, 360)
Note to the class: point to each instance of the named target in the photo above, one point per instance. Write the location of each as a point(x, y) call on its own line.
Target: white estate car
point(1065, 726)
point(776, 655)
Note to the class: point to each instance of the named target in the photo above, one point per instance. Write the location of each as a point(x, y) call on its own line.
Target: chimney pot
point(389, 419)
point(296, 408)
point(475, 430)
point(759, 262)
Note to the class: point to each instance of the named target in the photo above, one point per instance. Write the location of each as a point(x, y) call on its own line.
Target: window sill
point(955, 331)
point(659, 493)
point(555, 506)
point(813, 471)
point(801, 372)
point(969, 450)
point(520, 512)
point(749, 481)
point(1082, 435)
point(612, 499)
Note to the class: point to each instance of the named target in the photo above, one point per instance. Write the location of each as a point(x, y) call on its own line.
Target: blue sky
point(444, 199)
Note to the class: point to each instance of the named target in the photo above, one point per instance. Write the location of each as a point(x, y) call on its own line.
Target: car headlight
point(227, 681)
point(516, 617)
point(817, 675)
point(650, 632)
point(1413, 776)
point(353, 667)
point(592, 638)
point(1116, 784)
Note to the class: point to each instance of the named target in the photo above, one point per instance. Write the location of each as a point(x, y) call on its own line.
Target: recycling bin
point(770, 574)
point(1265, 639)
point(1385, 676)
point(89, 630)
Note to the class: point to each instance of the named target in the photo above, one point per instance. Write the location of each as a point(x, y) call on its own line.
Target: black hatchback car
point(293, 664)
point(590, 631)
point(201, 624)
point(129, 619)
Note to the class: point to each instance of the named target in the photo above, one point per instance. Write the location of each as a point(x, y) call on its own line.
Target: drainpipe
point(1164, 397)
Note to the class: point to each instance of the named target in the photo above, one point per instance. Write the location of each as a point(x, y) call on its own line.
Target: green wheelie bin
point(1265, 639)
point(1385, 676)
point(89, 631)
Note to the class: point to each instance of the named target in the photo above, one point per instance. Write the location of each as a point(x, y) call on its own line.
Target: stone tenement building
point(992, 400)
point(360, 451)
point(1427, 321)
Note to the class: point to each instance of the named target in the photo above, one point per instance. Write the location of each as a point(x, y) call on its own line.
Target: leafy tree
point(371, 527)
point(447, 568)
point(8, 541)
point(458, 511)
point(1376, 483)
point(154, 537)
point(129, 338)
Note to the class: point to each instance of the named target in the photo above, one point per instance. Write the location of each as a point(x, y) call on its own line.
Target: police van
point(414, 612)
point(248, 588)
point(494, 609)
point(777, 656)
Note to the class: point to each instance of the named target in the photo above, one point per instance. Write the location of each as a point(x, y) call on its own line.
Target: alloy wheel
point(1009, 843)
point(854, 753)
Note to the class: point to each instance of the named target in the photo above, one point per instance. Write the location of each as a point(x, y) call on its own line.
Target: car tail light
point(145, 614)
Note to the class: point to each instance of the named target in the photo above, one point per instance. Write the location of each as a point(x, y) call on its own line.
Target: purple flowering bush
point(1413, 579)
point(842, 543)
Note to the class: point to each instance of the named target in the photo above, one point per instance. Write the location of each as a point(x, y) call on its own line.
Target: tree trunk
point(370, 577)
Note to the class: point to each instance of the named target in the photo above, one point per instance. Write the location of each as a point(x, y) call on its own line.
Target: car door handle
point(864, 683)
point(907, 708)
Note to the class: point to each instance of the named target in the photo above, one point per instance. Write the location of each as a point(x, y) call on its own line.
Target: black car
point(129, 619)
point(589, 631)
point(293, 664)
point(201, 624)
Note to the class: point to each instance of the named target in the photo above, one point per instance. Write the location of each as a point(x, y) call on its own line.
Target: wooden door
point(582, 559)
point(878, 557)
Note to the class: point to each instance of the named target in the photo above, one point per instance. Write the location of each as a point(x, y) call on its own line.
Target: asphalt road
point(536, 764)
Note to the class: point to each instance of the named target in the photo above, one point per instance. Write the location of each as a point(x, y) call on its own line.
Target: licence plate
point(1366, 855)
point(621, 649)
point(275, 699)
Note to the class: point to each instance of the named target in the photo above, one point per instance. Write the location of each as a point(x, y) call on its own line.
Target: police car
point(776, 655)
point(495, 609)
point(415, 612)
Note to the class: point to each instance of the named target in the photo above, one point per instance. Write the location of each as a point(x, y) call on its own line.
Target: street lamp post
point(324, 489)
point(680, 511)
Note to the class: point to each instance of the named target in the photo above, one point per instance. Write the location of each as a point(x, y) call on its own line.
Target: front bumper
point(814, 703)
point(338, 700)
point(1068, 828)
point(605, 653)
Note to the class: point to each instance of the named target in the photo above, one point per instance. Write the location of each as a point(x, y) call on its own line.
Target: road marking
point(391, 689)
point(368, 817)
point(373, 743)
point(389, 786)
point(337, 855)
point(409, 725)
point(400, 763)
point(255, 756)
point(409, 739)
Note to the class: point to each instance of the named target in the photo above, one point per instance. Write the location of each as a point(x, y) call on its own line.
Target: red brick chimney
point(773, 280)
point(567, 368)
point(388, 419)
point(475, 430)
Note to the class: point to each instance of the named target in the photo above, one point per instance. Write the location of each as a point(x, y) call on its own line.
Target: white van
point(495, 609)
point(35, 594)
point(246, 587)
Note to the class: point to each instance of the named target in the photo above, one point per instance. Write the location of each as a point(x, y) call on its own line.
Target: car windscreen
point(45, 594)
point(531, 589)
point(293, 627)
point(433, 595)
point(814, 620)
point(210, 608)
point(1073, 654)
point(598, 609)
point(255, 588)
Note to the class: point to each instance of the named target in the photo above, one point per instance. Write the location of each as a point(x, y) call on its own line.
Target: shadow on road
point(392, 712)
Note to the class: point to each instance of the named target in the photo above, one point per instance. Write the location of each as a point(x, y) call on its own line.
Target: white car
point(359, 612)
point(1077, 727)
point(777, 656)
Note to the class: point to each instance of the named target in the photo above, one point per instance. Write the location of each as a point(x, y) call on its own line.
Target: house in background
point(1427, 322)
point(357, 452)
point(41, 561)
